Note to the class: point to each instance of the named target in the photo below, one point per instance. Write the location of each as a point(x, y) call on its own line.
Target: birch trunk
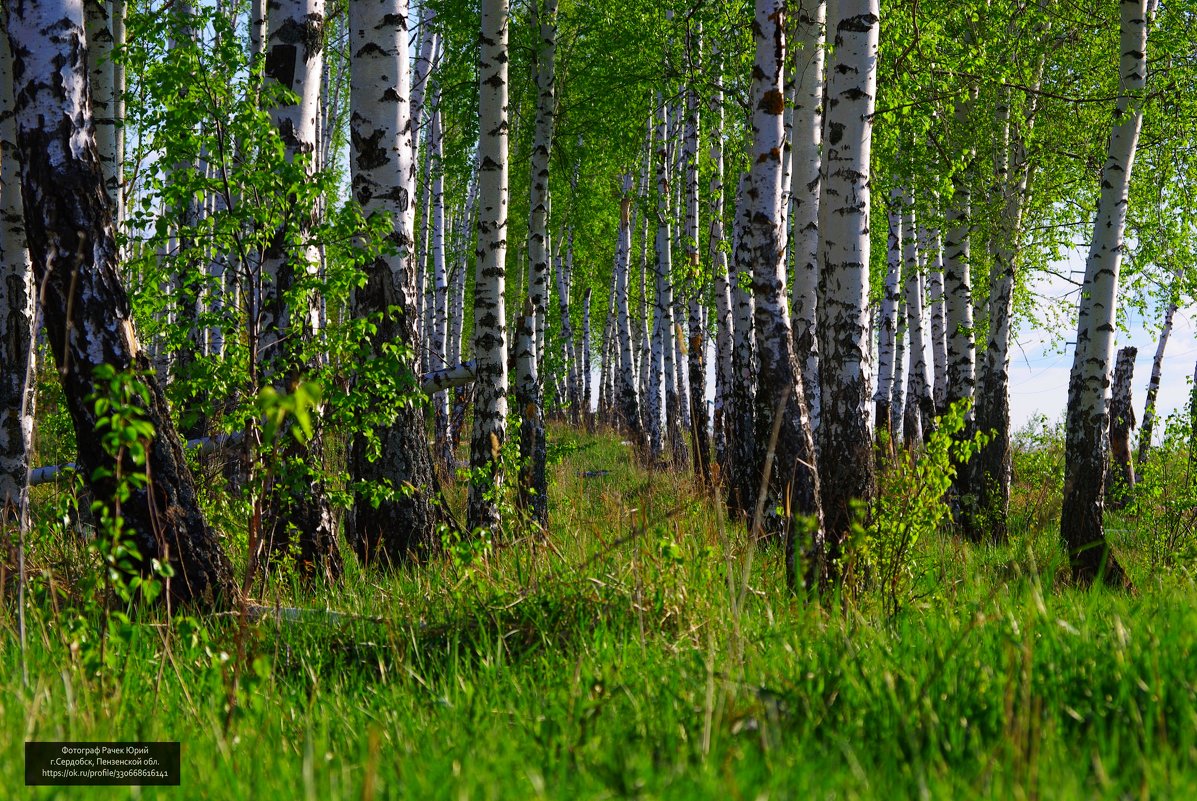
point(542, 147)
point(383, 175)
point(17, 389)
point(490, 332)
point(844, 337)
point(935, 299)
point(887, 326)
point(897, 409)
point(69, 229)
point(587, 403)
point(793, 479)
point(806, 180)
point(572, 399)
point(1087, 421)
point(920, 408)
point(300, 507)
point(724, 324)
point(1120, 482)
point(438, 333)
point(1153, 384)
point(100, 75)
point(663, 304)
point(115, 180)
point(628, 401)
point(533, 490)
point(741, 433)
point(695, 400)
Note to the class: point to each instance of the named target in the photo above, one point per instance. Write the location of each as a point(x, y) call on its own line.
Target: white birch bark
point(741, 400)
point(628, 399)
point(805, 177)
point(1087, 419)
point(294, 59)
point(663, 306)
point(570, 398)
point(100, 76)
point(545, 19)
point(958, 307)
point(440, 278)
point(383, 174)
point(587, 399)
point(72, 247)
point(935, 300)
point(793, 479)
point(1153, 383)
point(16, 311)
point(116, 185)
point(844, 346)
point(897, 408)
point(490, 331)
point(724, 325)
point(887, 324)
point(1120, 481)
point(920, 407)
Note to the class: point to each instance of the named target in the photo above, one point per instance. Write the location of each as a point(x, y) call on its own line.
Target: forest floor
point(643, 649)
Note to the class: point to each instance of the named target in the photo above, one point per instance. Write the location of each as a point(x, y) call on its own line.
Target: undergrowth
point(643, 648)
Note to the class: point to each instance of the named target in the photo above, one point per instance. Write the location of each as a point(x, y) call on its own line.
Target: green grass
point(630, 655)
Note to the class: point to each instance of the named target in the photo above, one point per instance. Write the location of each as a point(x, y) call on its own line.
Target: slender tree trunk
point(1121, 481)
point(844, 336)
point(115, 182)
point(440, 279)
point(300, 505)
point(806, 180)
point(663, 307)
point(16, 311)
point(402, 525)
point(534, 488)
point(100, 76)
point(793, 481)
point(897, 409)
point(69, 229)
point(533, 446)
point(887, 327)
point(1087, 421)
point(628, 399)
point(587, 401)
point(1153, 384)
point(724, 325)
point(542, 147)
point(572, 397)
point(935, 299)
point(490, 330)
point(741, 433)
point(920, 408)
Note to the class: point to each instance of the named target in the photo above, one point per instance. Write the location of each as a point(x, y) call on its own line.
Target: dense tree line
point(359, 235)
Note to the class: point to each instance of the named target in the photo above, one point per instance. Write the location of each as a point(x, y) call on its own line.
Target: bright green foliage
point(912, 503)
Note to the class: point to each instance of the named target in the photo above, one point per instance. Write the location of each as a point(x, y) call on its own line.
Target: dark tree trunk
point(404, 524)
point(68, 220)
point(1121, 480)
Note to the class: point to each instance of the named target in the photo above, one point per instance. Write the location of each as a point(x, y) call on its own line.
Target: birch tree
point(490, 330)
point(16, 308)
point(794, 477)
point(1087, 420)
point(810, 28)
point(844, 346)
point(382, 167)
point(628, 402)
point(72, 246)
point(302, 512)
